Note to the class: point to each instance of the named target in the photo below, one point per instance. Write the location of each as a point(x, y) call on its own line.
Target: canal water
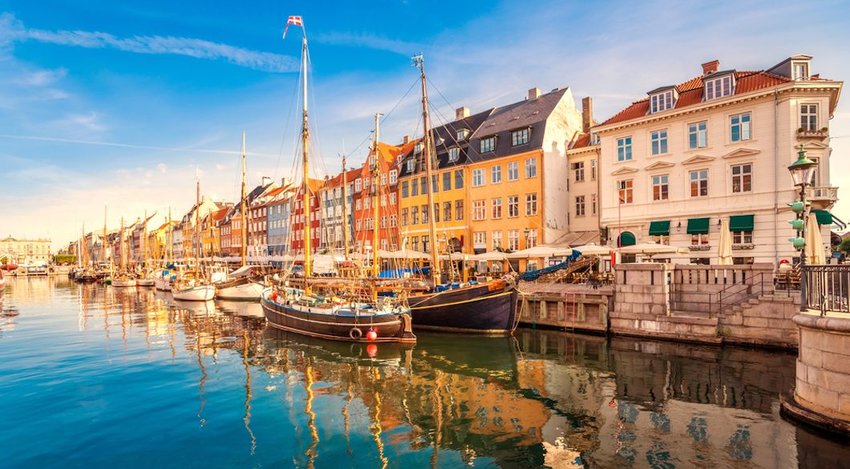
point(94, 376)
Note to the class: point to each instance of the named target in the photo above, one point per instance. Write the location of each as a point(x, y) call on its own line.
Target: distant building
point(25, 251)
point(676, 163)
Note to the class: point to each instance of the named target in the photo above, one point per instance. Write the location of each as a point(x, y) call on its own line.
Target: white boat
point(162, 283)
point(194, 293)
point(244, 289)
point(122, 282)
point(145, 282)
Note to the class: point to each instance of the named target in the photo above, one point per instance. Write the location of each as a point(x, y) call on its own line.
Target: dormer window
point(411, 165)
point(719, 87)
point(800, 70)
point(462, 134)
point(418, 148)
point(454, 154)
point(661, 101)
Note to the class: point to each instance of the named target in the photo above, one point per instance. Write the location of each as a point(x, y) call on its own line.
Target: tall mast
point(169, 248)
point(197, 212)
point(242, 208)
point(144, 242)
point(305, 140)
point(121, 244)
point(103, 242)
point(376, 170)
point(419, 61)
point(344, 210)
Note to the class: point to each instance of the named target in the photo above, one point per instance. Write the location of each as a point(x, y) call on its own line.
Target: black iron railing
point(826, 288)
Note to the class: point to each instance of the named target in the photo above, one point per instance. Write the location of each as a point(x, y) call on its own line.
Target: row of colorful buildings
point(667, 168)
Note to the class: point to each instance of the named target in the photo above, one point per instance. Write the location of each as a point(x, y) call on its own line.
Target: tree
point(844, 245)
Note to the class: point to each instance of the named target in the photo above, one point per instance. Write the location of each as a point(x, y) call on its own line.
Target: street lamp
point(802, 172)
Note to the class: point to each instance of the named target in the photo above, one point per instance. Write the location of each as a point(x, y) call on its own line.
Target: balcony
point(816, 134)
point(700, 247)
point(822, 197)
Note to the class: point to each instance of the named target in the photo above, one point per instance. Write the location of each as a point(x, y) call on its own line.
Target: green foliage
point(64, 259)
point(844, 245)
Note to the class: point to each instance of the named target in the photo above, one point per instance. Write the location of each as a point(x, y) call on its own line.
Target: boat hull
point(389, 327)
point(162, 284)
point(123, 283)
point(145, 282)
point(471, 310)
point(198, 293)
point(247, 291)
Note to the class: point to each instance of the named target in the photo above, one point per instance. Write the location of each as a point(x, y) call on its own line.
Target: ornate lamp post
point(802, 172)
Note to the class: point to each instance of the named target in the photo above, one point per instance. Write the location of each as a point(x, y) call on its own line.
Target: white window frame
point(700, 132)
point(454, 154)
point(739, 174)
point(530, 168)
point(393, 177)
point(580, 206)
point(478, 179)
point(698, 177)
point(513, 171)
point(808, 118)
point(496, 174)
point(496, 208)
point(487, 144)
point(658, 142)
point(743, 122)
point(479, 210)
point(578, 169)
point(513, 206)
point(719, 87)
point(624, 148)
point(661, 102)
point(520, 136)
point(625, 191)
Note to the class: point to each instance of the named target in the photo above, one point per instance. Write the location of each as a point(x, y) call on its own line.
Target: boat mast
point(376, 170)
point(169, 249)
point(305, 140)
point(121, 244)
point(344, 210)
point(419, 61)
point(103, 242)
point(242, 208)
point(144, 243)
point(197, 212)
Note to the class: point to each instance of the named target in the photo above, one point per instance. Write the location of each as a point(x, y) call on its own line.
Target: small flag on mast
point(294, 21)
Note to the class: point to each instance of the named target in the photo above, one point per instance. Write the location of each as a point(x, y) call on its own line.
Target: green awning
point(659, 228)
point(627, 239)
point(741, 223)
point(698, 225)
point(824, 217)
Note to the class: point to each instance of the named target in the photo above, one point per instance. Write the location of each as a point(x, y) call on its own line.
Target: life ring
point(355, 333)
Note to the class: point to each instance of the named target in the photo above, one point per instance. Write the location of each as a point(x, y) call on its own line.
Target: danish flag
point(294, 21)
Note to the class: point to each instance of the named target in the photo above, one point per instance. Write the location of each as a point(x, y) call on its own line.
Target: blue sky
point(116, 103)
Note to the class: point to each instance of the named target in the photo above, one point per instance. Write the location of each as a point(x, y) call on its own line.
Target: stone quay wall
point(823, 365)
point(565, 306)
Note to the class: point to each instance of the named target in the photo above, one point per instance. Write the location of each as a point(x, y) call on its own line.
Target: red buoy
point(371, 350)
point(273, 296)
point(371, 335)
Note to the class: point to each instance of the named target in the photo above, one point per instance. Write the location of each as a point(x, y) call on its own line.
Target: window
point(447, 181)
point(530, 168)
point(699, 239)
point(459, 209)
point(519, 137)
point(478, 177)
point(383, 200)
point(625, 190)
point(809, 116)
point(698, 135)
point(411, 165)
point(661, 102)
point(742, 178)
point(462, 134)
point(423, 210)
point(358, 185)
point(418, 148)
point(393, 176)
point(592, 170)
point(660, 187)
point(578, 169)
point(624, 149)
point(739, 126)
point(659, 142)
point(383, 222)
point(531, 239)
point(479, 239)
point(459, 179)
point(414, 216)
point(392, 198)
point(488, 144)
point(513, 206)
point(496, 174)
point(531, 204)
point(699, 183)
point(513, 240)
point(579, 205)
point(447, 211)
point(478, 210)
point(423, 185)
point(801, 71)
point(425, 243)
point(414, 186)
point(414, 243)
point(497, 240)
point(358, 205)
point(436, 212)
point(496, 204)
point(718, 87)
point(404, 217)
point(435, 185)
point(383, 179)
point(454, 154)
point(367, 203)
point(742, 237)
point(593, 204)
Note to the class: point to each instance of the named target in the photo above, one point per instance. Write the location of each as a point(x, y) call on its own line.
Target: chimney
point(461, 112)
point(406, 140)
point(533, 93)
point(586, 114)
point(710, 67)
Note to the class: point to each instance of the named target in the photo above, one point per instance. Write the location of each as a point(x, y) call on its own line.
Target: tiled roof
point(691, 91)
point(582, 141)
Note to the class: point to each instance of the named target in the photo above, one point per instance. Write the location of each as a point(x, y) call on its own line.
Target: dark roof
point(530, 113)
point(445, 137)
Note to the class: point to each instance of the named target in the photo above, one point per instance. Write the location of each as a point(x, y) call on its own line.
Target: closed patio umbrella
point(724, 246)
point(814, 251)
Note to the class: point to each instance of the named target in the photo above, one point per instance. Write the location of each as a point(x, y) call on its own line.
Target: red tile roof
point(690, 93)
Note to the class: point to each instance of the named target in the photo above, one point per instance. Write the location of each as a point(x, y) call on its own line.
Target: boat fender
point(355, 333)
point(371, 335)
point(273, 296)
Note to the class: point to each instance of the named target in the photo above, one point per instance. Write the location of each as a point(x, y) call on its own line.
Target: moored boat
point(244, 289)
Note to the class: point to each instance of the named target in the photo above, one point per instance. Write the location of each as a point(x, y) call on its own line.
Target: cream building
point(25, 251)
point(676, 163)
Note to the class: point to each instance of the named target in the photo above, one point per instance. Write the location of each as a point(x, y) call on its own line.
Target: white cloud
point(368, 40)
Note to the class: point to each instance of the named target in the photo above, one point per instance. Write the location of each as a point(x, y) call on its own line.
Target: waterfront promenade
point(145, 381)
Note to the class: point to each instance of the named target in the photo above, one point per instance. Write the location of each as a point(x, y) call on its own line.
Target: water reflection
point(543, 398)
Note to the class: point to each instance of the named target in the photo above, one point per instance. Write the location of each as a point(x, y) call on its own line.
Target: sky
point(116, 107)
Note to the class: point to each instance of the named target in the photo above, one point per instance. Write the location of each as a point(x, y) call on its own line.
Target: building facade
point(25, 251)
point(676, 163)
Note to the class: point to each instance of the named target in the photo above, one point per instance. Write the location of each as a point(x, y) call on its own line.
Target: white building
point(718, 146)
point(25, 251)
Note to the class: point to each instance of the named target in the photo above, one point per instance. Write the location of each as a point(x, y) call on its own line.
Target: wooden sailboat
point(330, 315)
point(481, 308)
point(241, 287)
point(192, 286)
point(146, 278)
point(162, 279)
point(123, 279)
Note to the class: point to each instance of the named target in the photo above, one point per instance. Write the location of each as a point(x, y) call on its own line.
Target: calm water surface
point(95, 376)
